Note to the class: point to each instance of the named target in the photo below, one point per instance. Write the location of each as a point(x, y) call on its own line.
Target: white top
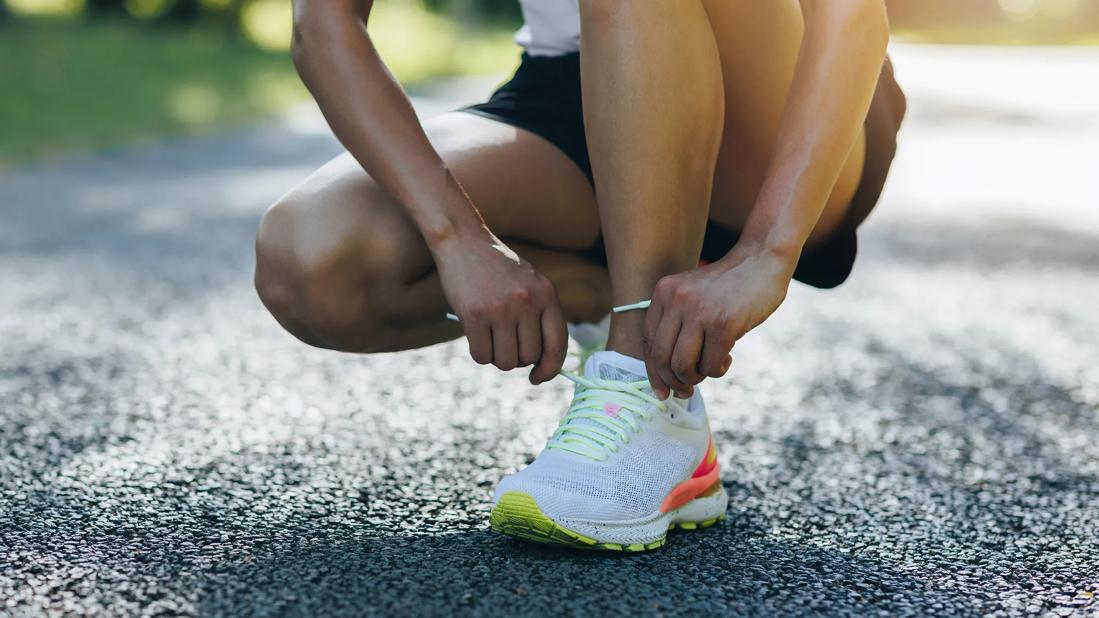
point(551, 27)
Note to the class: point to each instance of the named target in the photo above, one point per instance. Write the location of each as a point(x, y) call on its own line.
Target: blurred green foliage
point(497, 10)
point(114, 71)
point(69, 86)
point(87, 73)
point(214, 12)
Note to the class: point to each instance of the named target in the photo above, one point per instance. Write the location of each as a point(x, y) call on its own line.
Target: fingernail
point(725, 365)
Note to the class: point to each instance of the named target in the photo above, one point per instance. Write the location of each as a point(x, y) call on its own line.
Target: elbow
point(314, 21)
point(317, 22)
point(307, 23)
point(297, 48)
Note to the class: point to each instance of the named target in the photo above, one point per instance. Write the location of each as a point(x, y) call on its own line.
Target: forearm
point(837, 71)
point(373, 118)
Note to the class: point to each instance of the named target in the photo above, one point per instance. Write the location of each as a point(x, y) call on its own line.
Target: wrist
point(451, 225)
point(781, 254)
point(446, 234)
point(441, 210)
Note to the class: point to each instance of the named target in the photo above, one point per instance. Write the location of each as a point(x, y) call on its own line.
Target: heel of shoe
point(703, 511)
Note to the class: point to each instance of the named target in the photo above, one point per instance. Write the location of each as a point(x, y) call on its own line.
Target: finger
point(660, 389)
point(653, 316)
point(716, 359)
point(660, 357)
point(505, 345)
point(479, 337)
point(530, 339)
point(555, 344)
point(688, 348)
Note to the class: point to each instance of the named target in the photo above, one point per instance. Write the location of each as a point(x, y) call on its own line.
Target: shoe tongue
point(609, 365)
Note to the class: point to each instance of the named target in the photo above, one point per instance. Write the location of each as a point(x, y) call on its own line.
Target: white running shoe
point(622, 468)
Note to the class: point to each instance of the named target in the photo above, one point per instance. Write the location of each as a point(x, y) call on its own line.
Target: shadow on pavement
point(732, 568)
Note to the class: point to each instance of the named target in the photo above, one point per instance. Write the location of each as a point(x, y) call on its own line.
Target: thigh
point(523, 186)
point(759, 42)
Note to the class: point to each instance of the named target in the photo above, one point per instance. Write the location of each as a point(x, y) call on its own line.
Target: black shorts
point(543, 97)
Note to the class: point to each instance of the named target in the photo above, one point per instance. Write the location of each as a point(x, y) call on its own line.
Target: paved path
point(921, 441)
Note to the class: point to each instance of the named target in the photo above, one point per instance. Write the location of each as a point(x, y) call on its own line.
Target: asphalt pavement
point(921, 441)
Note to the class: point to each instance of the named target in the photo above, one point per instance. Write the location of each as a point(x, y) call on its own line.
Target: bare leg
point(340, 266)
point(653, 161)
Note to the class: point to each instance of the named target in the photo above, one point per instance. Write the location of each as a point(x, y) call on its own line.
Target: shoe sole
point(517, 515)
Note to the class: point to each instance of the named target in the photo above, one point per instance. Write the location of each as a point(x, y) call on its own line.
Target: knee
point(314, 278)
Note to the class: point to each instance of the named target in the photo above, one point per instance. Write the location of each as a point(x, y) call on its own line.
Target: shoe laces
point(604, 415)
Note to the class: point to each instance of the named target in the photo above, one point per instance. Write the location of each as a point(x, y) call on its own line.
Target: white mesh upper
point(627, 486)
point(631, 483)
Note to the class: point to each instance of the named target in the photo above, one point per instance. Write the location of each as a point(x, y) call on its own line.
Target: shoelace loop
point(589, 430)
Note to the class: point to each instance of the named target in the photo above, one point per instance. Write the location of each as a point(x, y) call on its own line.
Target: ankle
point(628, 348)
point(625, 334)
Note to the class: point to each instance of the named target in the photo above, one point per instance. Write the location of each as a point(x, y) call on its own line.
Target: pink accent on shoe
point(690, 489)
point(612, 409)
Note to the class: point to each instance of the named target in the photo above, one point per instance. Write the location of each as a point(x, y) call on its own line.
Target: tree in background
point(226, 14)
point(490, 9)
point(105, 8)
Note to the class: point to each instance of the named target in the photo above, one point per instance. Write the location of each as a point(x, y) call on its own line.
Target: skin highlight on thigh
point(759, 42)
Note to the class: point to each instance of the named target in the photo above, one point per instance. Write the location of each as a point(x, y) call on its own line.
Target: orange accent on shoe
point(690, 489)
point(708, 462)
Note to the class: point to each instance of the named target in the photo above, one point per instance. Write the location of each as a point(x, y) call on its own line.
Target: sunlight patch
point(268, 23)
point(194, 104)
point(45, 7)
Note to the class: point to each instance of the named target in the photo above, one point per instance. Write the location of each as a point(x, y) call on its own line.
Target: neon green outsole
point(517, 515)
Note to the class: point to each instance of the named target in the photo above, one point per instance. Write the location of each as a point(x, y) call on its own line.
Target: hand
point(697, 316)
point(510, 312)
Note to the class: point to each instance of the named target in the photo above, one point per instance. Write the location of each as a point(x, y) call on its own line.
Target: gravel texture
point(921, 441)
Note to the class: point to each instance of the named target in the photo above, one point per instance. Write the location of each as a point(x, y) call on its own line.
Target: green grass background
point(72, 85)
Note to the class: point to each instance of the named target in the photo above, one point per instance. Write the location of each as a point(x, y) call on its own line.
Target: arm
point(837, 72)
point(841, 56)
point(370, 114)
point(495, 293)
